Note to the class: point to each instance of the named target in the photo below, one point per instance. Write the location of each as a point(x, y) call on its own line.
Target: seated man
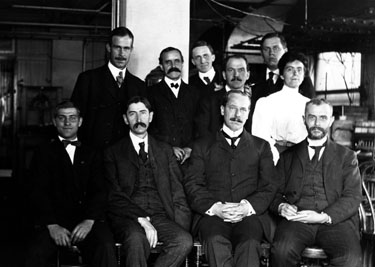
point(319, 197)
point(277, 118)
point(230, 183)
point(68, 197)
point(147, 201)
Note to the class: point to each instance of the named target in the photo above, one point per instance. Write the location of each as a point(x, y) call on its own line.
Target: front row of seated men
point(230, 185)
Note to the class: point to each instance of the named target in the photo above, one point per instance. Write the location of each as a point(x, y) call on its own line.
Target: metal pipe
point(98, 11)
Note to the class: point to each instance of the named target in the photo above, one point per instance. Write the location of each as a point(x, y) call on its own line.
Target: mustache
point(236, 120)
point(173, 69)
point(120, 58)
point(235, 78)
point(137, 124)
point(317, 128)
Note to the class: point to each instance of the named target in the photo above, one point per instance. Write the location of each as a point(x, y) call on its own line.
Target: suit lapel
point(132, 154)
point(109, 82)
point(166, 91)
point(328, 156)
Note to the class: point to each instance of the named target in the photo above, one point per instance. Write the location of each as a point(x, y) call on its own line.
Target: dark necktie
point(68, 142)
point(119, 79)
point(207, 80)
point(232, 139)
point(315, 158)
point(270, 78)
point(174, 85)
point(142, 152)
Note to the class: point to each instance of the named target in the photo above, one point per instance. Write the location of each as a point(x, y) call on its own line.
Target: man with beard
point(319, 196)
point(100, 93)
point(278, 117)
point(146, 200)
point(235, 74)
point(230, 183)
point(175, 104)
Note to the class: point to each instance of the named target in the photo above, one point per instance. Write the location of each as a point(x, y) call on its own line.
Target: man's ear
point(222, 110)
point(213, 58)
point(223, 73)
point(332, 119)
point(80, 121)
point(151, 117)
point(192, 62)
point(125, 119)
point(108, 47)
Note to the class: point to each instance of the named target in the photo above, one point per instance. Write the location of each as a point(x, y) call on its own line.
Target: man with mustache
point(175, 104)
point(235, 74)
point(278, 117)
point(273, 47)
point(230, 183)
point(102, 92)
point(319, 196)
point(147, 202)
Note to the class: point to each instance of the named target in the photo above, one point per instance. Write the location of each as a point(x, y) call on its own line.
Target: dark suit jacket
point(209, 119)
point(205, 89)
point(66, 193)
point(217, 173)
point(121, 170)
point(173, 120)
point(342, 181)
point(102, 104)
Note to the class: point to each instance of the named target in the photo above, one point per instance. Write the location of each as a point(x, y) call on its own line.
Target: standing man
point(273, 47)
point(319, 196)
point(230, 183)
point(100, 93)
point(235, 74)
point(68, 197)
point(147, 201)
point(207, 80)
point(175, 104)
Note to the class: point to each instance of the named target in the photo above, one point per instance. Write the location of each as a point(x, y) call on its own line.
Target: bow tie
point(174, 85)
point(68, 142)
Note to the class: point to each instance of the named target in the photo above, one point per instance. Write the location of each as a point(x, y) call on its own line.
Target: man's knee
point(185, 242)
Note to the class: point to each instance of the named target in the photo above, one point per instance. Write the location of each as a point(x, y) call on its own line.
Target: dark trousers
point(97, 248)
point(340, 242)
point(177, 242)
point(221, 240)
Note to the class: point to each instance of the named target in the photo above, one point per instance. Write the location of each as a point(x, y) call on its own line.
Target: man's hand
point(220, 210)
point(287, 210)
point(235, 213)
point(179, 153)
point(310, 216)
point(59, 234)
point(81, 231)
point(151, 233)
point(187, 153)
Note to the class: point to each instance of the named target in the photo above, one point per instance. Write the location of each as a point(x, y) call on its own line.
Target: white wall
point(157, 24)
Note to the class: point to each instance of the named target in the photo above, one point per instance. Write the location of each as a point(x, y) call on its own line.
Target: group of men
point(173, 162)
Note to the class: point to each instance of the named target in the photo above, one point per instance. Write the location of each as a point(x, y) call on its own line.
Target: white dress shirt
point(316, 143)
point(174, 90)
point(136, 140)
point(70, 149)
point(210, 74)
point(276, 74)
point(279, 117)
point(115, 71)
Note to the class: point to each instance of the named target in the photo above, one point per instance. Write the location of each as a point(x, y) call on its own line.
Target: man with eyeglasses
point(68, 197)
point(278, 117)
point(100, 93)
point(273, 47)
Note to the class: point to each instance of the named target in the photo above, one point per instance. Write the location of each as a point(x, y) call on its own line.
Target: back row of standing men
point(228, 175)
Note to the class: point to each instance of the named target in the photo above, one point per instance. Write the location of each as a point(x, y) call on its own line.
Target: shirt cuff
point(210, 211)
point(251, 209)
